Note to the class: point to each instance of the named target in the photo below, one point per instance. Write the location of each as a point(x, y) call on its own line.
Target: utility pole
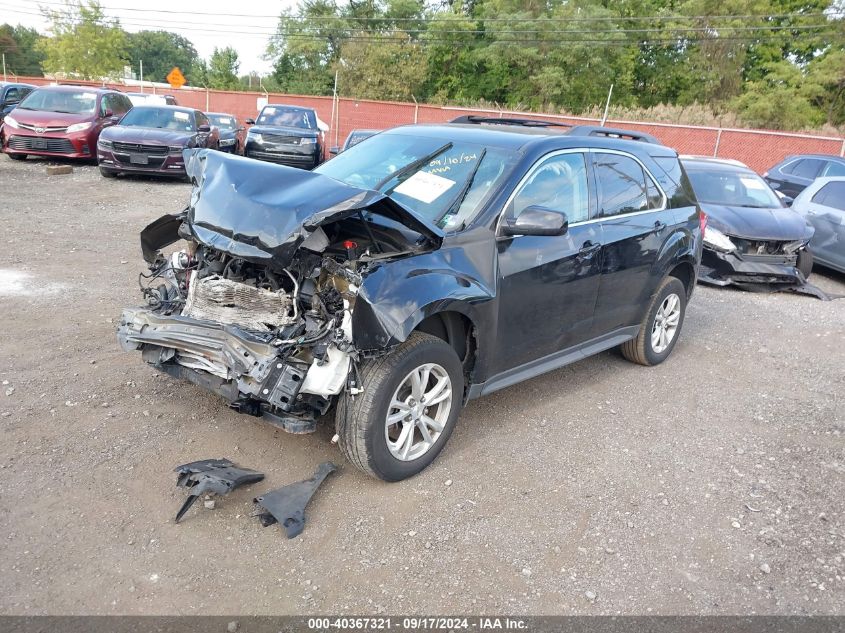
point(4, 67)
point(142, 74)
point(607, 106)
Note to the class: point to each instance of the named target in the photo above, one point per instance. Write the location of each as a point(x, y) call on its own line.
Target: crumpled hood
point(158, 136)
point(262, 212)
point(757, 224)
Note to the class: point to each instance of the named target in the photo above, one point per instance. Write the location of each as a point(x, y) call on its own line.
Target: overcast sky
point(201, 21)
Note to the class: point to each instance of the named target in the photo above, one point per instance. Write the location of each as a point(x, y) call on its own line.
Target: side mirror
point(787, 201)
point(113, 119)
point(204, 128)
point(249, 121)
point(334, 150)
point(537, 220)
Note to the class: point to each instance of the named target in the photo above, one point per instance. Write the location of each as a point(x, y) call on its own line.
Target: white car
point(822, 203)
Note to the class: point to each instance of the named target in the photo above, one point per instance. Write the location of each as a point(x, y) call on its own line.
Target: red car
point(61, 121)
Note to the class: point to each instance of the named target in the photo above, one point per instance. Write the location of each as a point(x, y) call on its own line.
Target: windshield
point(159, 118)
point(447, 189)
point(285, 117)
point(222, 121)
point(731, 188)
point(65, 101)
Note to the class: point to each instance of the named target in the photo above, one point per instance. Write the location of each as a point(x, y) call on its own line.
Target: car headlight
point(255, 137)
point(104, 143)
point(307, 141)
point(175, 149)
point(79, 127)
point(10, 122)
point(718, 240)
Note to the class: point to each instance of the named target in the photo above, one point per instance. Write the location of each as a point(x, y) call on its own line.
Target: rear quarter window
point(672, 177)
point(831, 195)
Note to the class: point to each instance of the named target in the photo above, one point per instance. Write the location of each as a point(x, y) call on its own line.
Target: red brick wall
point(758, 149)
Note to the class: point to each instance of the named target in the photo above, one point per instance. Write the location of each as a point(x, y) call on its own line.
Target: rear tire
point(805, 262)
point(661, 325)
point(18, 156)
point(392, 442)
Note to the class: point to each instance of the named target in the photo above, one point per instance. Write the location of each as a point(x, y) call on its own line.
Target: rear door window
point(623, 185)
point(831, 195)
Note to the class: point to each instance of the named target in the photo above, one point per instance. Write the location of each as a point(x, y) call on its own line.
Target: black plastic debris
point(286, 505)
point(215, 476)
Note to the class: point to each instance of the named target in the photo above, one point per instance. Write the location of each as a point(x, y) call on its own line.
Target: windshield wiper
point(410, 167)
point(458, 200)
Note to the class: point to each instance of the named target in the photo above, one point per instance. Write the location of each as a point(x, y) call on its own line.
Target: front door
point(548, 284)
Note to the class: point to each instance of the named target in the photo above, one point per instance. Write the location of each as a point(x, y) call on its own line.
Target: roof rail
point(612, 132)
point(472, 118)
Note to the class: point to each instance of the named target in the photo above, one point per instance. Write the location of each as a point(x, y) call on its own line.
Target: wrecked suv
point(425, 267)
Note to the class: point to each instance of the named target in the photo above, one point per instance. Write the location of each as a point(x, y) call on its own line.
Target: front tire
point(661, 325)
point(411, 400)
point(805, 262)
point(18, 156)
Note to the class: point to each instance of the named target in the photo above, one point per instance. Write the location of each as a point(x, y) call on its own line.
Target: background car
point(794, 173)
point(355, 137)
point(232, 133)
point(150, 140)
point(288, 135)
point(751, 236)
point(62, 121)
point(822, 204)
point(11, 95)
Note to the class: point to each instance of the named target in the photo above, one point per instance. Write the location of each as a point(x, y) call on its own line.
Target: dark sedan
point(288, 135)
point(232, 133)
point(751, 237)
point(794, 173)
point(150, 140)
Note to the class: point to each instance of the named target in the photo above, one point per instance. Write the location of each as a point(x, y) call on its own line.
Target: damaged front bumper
point(724, 268)
point(249, 370)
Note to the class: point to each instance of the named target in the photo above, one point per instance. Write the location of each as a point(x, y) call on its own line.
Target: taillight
point(702, 222)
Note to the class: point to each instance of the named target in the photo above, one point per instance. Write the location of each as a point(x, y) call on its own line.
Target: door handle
point(659, 226)
point(588, 249)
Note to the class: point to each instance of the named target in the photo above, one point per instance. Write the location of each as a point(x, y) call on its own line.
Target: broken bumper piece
point(286, 505)
point(213, 476)
point(243, 367)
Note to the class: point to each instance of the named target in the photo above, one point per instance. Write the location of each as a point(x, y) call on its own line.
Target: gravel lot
point(714, 483)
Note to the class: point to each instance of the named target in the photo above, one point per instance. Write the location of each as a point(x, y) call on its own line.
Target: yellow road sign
point(175, 78)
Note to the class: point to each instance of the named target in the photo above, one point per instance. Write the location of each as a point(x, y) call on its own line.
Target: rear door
point(635, 221)
point(548, 284)
point(826, 212)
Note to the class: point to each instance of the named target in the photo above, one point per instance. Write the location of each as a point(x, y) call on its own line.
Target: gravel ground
point(711, 484)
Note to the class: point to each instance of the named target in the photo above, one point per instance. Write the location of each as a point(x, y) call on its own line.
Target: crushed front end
point(727, 259)
point(258, 306)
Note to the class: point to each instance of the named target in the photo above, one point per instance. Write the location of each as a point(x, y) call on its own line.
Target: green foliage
point(222, 69)
point(19, 45)
point(84, 43)
point(160, 51)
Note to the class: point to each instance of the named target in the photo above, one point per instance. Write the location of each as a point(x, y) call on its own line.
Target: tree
point(222, 70)
point(84, 42)
point(160, 51)
point(306, 48)
point(18, 44)
point(388, 67)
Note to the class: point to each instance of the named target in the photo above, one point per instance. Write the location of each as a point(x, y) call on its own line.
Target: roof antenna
point(606, 106)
